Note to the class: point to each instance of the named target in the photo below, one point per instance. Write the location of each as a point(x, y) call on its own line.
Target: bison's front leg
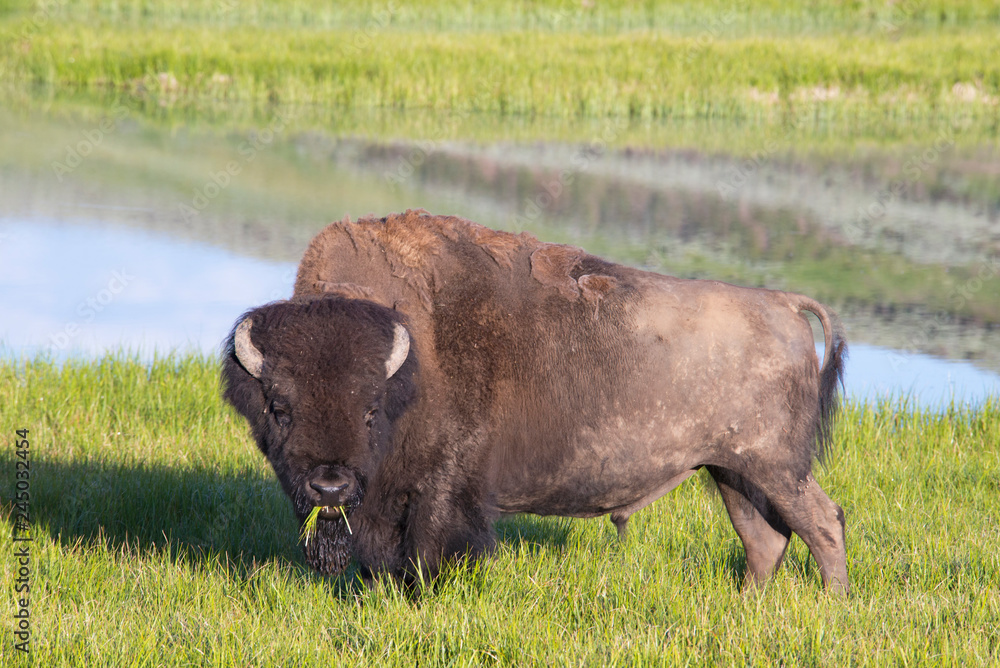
point(445, 528)
point(412, 543)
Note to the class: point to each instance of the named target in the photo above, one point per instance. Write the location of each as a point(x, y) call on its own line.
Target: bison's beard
point(329, 551)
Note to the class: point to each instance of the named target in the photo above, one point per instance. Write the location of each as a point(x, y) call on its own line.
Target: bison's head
point(321, 382)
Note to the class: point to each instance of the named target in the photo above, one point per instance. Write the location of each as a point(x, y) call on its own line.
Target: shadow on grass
point(230, 520)
point(195, 513)
point(533, 532)
point(734, 563)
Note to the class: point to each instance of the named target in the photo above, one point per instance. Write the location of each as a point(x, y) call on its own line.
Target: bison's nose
point(331, 491)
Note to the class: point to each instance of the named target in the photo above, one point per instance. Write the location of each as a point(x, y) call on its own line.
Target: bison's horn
point(246, 353)
point(400, 349)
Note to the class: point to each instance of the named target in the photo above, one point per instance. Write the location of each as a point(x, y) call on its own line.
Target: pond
point(159, 238)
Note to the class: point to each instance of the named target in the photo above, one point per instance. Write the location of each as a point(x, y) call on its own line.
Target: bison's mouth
point(331, 513)
point(329, 551)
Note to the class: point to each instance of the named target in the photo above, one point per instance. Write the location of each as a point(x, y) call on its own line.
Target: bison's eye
point(282, 412)
point(370, 415)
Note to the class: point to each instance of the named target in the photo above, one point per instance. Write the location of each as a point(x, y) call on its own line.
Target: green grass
point(162, 539)
point(820, 73)
point(642, 75)
point(684, 16)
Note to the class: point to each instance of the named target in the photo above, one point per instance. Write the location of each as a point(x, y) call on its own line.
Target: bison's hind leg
point(764, 534)
point(810, 513)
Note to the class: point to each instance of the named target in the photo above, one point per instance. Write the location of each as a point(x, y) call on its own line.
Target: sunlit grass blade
point(309, 527)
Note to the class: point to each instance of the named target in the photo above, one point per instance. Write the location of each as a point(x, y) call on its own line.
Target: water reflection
point(82, 288)
point(875, 373)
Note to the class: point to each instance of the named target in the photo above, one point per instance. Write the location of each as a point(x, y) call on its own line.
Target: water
point(873, 373)
point(82, 287)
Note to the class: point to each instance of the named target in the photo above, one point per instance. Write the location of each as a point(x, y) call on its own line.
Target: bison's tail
point(832, 374)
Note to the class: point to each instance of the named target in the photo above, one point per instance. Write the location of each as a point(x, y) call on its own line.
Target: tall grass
point(162, 539)
point(712, 17)
point(644, 75)
point(825, 71)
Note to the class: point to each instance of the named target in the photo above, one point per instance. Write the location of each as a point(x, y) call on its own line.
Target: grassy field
point(643, 75)
point(680, 16)
point(878, 70)
point(162, 539)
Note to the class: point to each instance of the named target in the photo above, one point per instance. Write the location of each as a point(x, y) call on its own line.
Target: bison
point(430, 375)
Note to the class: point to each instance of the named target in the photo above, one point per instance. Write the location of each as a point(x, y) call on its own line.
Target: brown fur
point(594, 287)
point(539, 379)
point(349, 290)
point(552, 265)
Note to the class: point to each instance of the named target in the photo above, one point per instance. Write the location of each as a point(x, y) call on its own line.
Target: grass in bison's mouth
point(309, 526)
